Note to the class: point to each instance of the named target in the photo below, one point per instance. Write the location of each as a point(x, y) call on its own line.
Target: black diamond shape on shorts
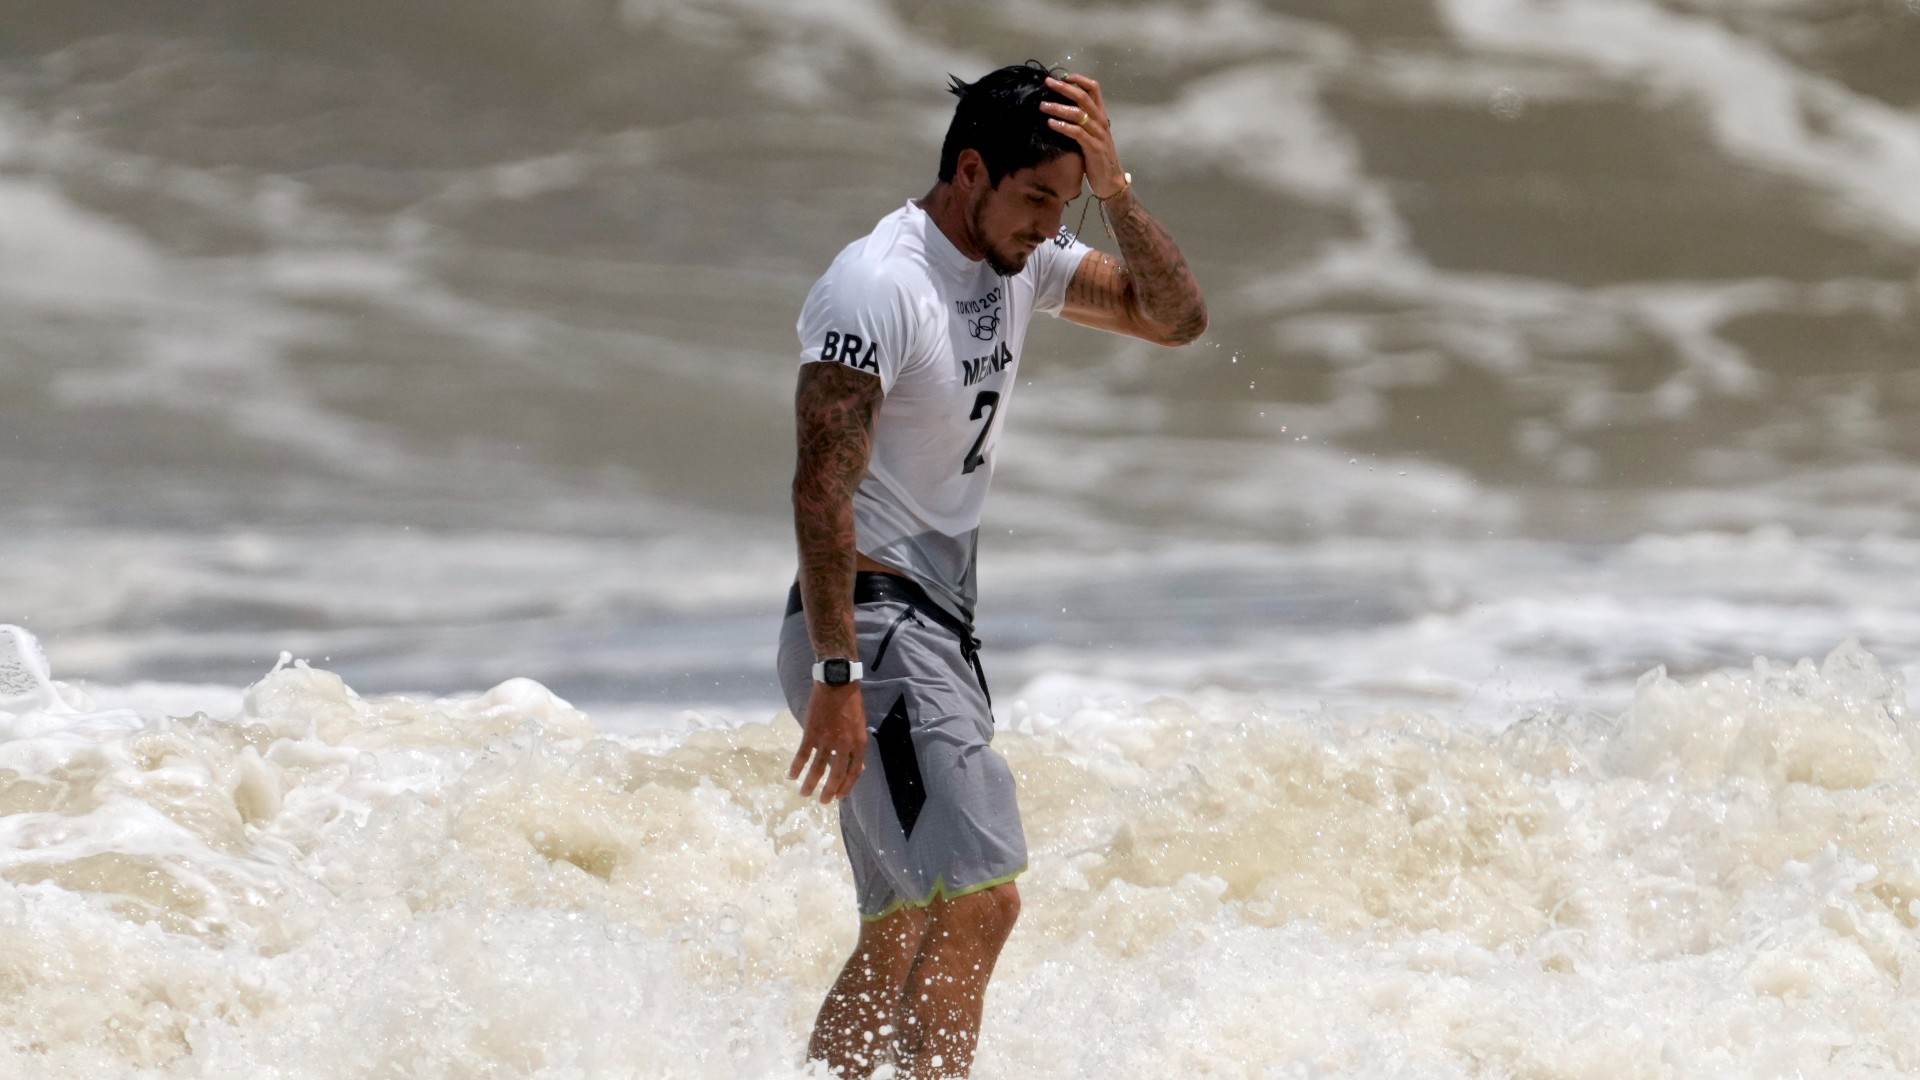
point(902, 765)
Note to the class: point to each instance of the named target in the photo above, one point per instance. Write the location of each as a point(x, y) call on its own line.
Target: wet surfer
point(910, 349)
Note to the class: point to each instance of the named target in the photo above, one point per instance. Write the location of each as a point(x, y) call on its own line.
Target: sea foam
point(1721, 881)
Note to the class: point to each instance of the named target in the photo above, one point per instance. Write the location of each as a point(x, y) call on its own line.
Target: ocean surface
point(1484, 655)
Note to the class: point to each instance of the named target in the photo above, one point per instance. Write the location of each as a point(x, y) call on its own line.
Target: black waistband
point(870, 587)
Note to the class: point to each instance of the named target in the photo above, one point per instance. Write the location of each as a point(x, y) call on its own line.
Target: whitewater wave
point(1719, 881)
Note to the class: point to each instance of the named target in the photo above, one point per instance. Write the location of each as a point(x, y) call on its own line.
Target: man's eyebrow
point(1045, 190)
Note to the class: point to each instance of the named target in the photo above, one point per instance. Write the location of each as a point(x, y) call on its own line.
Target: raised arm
point(1152, 295)
point(833, 414)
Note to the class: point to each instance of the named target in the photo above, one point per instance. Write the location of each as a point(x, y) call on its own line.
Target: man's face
point(1009, 221)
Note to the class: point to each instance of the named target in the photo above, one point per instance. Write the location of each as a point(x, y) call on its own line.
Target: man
point(910, 351)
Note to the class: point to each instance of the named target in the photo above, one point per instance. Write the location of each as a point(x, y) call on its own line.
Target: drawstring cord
point(970, 650)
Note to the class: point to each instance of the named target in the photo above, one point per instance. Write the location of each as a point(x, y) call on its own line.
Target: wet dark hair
point(999, 116)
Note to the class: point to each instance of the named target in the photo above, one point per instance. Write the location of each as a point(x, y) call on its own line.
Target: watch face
point(837, 672)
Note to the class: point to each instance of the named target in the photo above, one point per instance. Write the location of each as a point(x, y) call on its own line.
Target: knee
point(1006, 905)
point(988, 914)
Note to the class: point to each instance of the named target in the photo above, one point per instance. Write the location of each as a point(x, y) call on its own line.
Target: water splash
point(1721, 877)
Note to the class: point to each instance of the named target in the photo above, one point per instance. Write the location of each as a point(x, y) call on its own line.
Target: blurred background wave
point(446, 341)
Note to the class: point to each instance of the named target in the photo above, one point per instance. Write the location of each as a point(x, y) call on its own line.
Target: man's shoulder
point(885, 262)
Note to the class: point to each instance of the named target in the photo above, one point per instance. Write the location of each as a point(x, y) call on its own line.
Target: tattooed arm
point(1152, 294)
point(833, 411)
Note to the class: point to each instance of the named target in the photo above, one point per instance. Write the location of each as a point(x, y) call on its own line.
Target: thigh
point(876, 626)
point(793, 664)
point(943, 793)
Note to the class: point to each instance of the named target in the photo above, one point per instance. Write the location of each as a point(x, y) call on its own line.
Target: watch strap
point(854, 671)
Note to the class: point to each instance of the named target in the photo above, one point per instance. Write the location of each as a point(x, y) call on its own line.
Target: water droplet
point(1353, 461)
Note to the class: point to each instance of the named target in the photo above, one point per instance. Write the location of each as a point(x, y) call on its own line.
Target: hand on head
point(1085, 121)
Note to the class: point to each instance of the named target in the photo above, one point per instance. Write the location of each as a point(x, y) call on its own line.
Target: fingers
point(848, 775)
point(846, 769)
point(821, 758)
point(1090, 106)
point(1071, 131)
point(836, 778)
point(833, 744)
point(836, 771)
point(1066, 120)
point(1072, 114)
point(1090, 138)
point(1088, 83)
point(1072, 91)
point(1092, 88)
point(841, 769)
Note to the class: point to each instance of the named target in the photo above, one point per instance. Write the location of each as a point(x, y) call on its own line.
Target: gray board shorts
point(933, 814)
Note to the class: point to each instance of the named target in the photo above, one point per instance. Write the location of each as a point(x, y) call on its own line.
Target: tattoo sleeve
point(1154, 281)
point(833, 412)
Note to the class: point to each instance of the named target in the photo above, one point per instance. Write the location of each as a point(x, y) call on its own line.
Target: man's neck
point(942, 204)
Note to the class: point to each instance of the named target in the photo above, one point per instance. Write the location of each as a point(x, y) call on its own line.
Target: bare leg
point(948, 983)
point(861, 1018)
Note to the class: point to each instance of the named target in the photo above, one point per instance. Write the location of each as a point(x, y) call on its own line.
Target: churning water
point(1382, 674)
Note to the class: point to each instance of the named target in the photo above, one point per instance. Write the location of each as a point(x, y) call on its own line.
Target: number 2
point(984, 405)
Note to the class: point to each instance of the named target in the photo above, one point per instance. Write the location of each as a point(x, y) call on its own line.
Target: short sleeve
point(1053, 265)
point(862, 316)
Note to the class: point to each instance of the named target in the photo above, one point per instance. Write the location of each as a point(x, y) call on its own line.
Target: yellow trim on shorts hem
point(940, 893)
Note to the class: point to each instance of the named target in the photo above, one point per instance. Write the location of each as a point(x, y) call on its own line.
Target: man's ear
point(970, 171)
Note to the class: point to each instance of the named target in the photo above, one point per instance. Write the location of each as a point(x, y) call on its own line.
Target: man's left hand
point(1085, 122)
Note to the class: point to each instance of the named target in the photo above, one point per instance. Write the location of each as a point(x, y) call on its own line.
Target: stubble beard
point(976, 220)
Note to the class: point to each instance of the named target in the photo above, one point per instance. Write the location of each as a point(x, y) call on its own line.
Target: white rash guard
point(943, 334)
